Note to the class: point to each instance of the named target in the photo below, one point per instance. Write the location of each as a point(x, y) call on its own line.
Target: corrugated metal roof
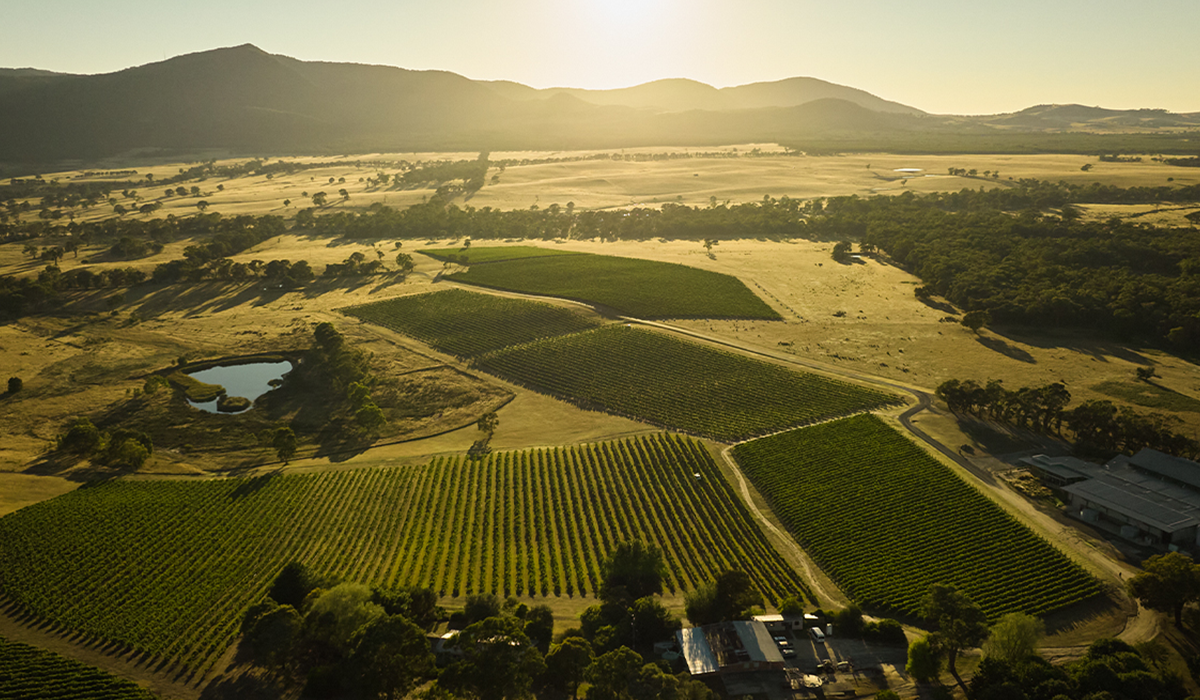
point(1184, 471)
point(757, 641)
point(1147, 506)
point(695, 649)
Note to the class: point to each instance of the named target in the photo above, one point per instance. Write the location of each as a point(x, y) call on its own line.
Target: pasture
point(886, 521)
point(678, 384)
point(168, 567)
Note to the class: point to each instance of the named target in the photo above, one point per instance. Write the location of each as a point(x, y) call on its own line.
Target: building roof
point(1149, 503)
point(696, 651)
point(766, 619)
point(751, 636)
point(1065, 468)
point(1178, 469)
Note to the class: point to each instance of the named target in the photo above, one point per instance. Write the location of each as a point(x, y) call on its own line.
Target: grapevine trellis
point(680, 384)
point(168, 567)
point(466, 323)
point(887, 521)
point(29, 673)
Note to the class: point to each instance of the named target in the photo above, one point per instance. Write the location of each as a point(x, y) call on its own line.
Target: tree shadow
point(251, 486)
point(943, 306)
point(1098, 348)
point(244, 686)
point(1004, 348)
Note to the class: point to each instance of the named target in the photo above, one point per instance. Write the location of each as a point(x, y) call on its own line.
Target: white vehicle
point(816, 634)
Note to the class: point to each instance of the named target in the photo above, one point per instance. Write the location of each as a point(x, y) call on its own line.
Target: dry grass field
point(603, 184)
point(83, 358)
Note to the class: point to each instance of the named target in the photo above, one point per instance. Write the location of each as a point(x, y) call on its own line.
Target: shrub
point(15, 384)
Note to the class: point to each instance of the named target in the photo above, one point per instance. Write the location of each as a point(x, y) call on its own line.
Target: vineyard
point(466, 323)
point(493, 254)
point(169, 567)
point(641, 288)
point(887, 521)
point(678, 384)
point(29, 673)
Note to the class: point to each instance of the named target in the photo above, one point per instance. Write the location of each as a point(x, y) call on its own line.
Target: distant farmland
point(169, 567)
point(679, 384)
point(887, 521)
point(466, 323)
point(634, 287)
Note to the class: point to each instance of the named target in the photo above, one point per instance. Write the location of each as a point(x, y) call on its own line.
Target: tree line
point(1098, 425)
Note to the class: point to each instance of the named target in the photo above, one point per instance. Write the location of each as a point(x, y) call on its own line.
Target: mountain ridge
point(243, 99)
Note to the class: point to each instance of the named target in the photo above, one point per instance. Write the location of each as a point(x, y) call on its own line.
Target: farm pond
point(247, 380)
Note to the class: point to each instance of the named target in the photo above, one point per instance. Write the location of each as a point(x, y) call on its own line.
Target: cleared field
point(472, 256)
point(169, 567)
point(887, 521)
point(466, 323)
point(678, 384)
point(29, 673)
point(642, 288)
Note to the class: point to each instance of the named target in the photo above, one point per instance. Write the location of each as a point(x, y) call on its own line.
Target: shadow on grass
point(244, 686)
point(1003, 347)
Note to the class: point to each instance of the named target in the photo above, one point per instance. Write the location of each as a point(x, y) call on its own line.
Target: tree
point(977, 319)
point(709, 243)
point(269, 634)
point(202, 204)
point(292, 585)
point(841, 251)
point(612, 674)
point(15, 384)
point(481, 606)
point(343, 194)
point(1145, 373)
point(959, 622)
point(498, 661)
point(388, 657)
point(81, 437)
point(631, 571)
point(539, 626)
point(127, 452)
point(730, 597)
point(370, 418)
point(488, 423)
point(319, 199)
point(1168, 582)
point(568, 661)
point(404, 263)
point(1014, 637)
point(924, 663)
point(285, 444)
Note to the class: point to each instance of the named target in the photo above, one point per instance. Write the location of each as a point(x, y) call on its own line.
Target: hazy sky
point(944, 56)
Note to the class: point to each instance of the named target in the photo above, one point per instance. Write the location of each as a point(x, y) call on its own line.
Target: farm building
point(1151, 498)
point(729, 647)
point(779, 623)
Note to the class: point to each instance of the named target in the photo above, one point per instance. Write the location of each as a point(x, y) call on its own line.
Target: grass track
point(466, 323)
point(640, 288)
point(679, 384)
point(169, 567)
point(887, 521)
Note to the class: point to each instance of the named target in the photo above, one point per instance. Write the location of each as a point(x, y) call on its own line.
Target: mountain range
point(243, 100)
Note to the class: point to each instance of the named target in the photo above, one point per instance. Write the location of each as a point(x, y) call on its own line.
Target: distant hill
point(243, 100)
point(679, 95)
